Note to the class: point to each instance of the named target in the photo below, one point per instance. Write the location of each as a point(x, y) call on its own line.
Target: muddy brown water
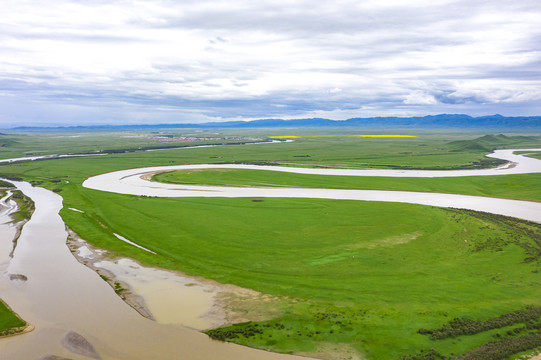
point(62, 296)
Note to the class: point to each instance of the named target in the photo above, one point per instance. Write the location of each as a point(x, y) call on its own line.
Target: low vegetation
point(5, 184)
point(524, 334)
point(25, 206)
point(465, 326)
point(536, 154)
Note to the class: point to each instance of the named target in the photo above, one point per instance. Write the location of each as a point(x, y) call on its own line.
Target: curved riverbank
point(136, 182)
point(166, 296)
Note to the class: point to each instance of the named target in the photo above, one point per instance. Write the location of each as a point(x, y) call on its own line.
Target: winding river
point(61, 297)
point(135, 182)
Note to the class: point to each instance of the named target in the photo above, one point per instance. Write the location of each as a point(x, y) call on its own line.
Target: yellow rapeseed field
point(316, 136)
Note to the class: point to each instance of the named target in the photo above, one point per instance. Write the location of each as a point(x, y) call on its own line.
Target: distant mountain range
point(427, 122)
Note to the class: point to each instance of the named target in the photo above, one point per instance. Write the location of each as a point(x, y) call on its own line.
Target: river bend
point(135, 182)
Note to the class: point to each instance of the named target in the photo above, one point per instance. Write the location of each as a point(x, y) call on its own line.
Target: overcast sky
point(119, 62)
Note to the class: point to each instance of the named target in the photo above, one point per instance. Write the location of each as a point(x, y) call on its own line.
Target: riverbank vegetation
point(5, 184)
point(25, 207)
point(355, 278)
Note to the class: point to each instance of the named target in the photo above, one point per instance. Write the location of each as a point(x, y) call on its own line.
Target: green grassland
point(431, 150)
point(390, 269)
point(536, 155)
point(21, 144)
point(353, 277)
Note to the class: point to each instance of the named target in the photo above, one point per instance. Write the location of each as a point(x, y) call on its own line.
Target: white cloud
point(240, 58)
point(419, 97)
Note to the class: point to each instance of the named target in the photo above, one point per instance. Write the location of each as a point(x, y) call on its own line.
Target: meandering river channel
point(135, 182)
point(61, 296)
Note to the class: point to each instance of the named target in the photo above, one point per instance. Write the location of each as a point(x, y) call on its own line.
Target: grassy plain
point(536, 155)
point(353, 277)
point(389, 269)
point(20, 144)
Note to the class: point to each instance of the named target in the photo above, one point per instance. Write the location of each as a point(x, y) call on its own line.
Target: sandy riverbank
point(88, 256)
point(7, 208)
point(171, 296)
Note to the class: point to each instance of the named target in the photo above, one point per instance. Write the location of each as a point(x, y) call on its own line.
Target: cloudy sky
point(118, 62)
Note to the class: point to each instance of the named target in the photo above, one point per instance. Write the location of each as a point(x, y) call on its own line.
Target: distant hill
point(6, 141)
point(489, 143)
point(425, 122)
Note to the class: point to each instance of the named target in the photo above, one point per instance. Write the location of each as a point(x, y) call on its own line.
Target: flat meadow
point(344, 279)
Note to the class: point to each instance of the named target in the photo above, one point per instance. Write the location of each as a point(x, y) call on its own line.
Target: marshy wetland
point(333, 278)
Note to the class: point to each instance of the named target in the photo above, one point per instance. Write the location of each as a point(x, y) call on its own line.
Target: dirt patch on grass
point(333, 351)
point(239, 305)
point(387, 242)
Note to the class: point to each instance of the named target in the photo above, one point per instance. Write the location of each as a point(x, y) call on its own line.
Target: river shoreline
point(65, 300)
point(76, 243)
point(6, 213)
point(210, 304)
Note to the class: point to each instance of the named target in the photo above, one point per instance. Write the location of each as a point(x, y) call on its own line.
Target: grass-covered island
point(10, 323)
